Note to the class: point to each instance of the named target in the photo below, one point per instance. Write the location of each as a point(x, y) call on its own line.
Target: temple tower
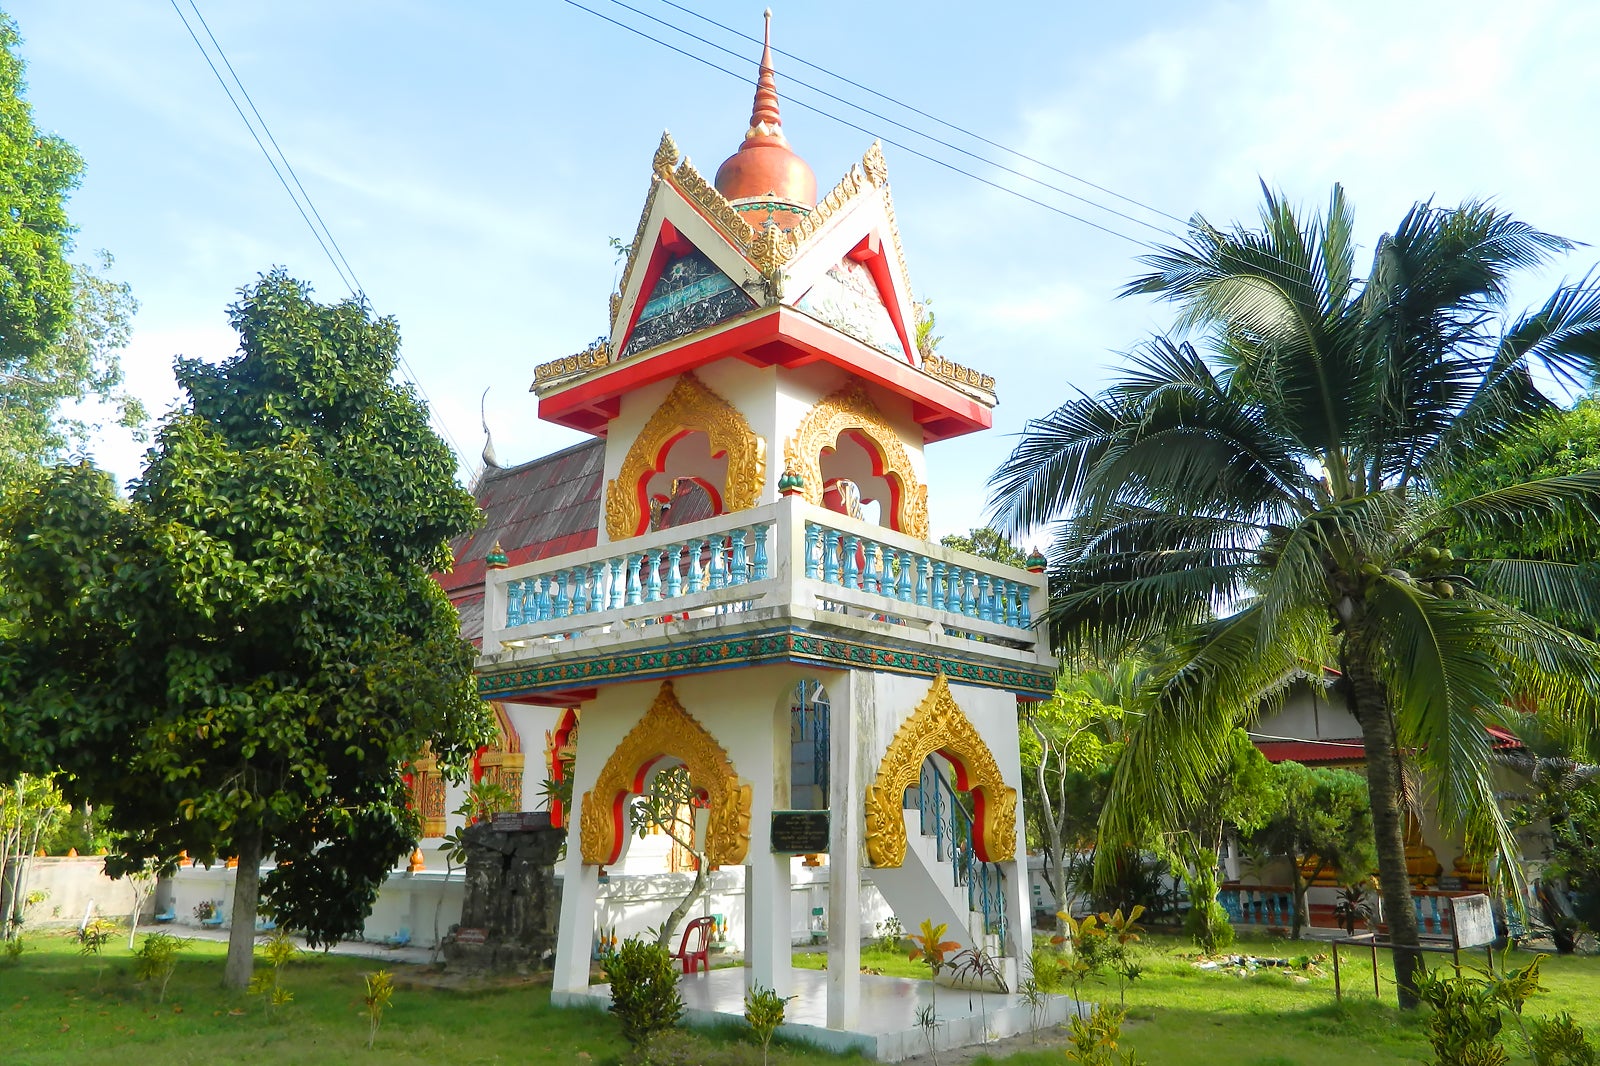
point(764, 532)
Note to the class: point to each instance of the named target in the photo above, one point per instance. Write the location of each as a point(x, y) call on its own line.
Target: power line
point(1144, 244)
point(255, 137)
point(346, 273)
point(862, 129)
point(360, 289)
point(934, 118)
point(885, 118)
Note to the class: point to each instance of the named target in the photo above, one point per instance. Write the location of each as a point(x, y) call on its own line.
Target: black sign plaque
point(800, 832)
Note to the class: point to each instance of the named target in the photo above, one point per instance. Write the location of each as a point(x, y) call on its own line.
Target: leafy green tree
point(1268, 499)
point(667, 804)
point(60, 323)
point(986, 543)
point(1557, 444)
point(1068, 745)
point(239, 659)
point(1325, 819)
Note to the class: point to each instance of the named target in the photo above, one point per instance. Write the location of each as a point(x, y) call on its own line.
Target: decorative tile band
point(751, 649)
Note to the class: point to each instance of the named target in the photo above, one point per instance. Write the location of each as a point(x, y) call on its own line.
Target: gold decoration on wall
point(687, 180)
point(667, 731)
point(636, 251)
point(427, 793)
point(666, 155)
point(594, 357)
point(502, 763)
point(692, 406)
point(938, 725)
point(956, 374)
point(850, 408)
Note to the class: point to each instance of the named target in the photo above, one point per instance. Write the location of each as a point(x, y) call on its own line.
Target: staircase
point(942, 879)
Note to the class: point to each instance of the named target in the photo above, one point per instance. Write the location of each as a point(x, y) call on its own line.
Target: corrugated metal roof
point(541, 508)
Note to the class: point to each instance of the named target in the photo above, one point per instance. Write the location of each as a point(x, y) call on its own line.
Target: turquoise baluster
point(902, 590)
point(560, 606)
point(616, 583)
point(938, 585)
point(762, 564)
point(1416, 903)
point(739, 569)
point(719, 577)
point(513, 604)
point(652, 571)
point(1024, 614)
point(852, 576)
point(696, 574)
point(869, 574)
point(830, 557)
point(813, 537)
point(596, 578)
point(969, 593)
point(923, 564)
point(541, 606)
point(985, 603)
point(674, 578)
point(1438, 919)
point(634, 592)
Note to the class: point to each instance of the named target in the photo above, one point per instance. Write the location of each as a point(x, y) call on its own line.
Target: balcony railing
point(784, 555)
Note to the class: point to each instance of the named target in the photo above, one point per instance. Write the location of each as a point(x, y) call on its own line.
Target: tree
point(1558, 443)
point(1325, 821)
point(668, 804)
point(239, 659)
point(29, 808)
point(60, 323)
point(986, 543)
point(1268, 500)
point(1068, 746)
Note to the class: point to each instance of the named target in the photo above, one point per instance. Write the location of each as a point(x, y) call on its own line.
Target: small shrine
point(762, 552)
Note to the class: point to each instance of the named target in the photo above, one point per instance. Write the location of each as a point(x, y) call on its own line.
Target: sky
point(472, 161)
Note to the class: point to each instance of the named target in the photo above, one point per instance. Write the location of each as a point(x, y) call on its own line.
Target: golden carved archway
point(426, 784)
point(690, 406)
point(666, 731)
point(502, 762)
point(850, 408)
point(938, 725)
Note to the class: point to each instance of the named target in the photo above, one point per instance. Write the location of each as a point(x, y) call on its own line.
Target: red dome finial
point(765, 168)
point(764, 114)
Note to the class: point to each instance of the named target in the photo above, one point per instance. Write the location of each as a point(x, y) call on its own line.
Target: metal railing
point(945, 818)
point(784, 555)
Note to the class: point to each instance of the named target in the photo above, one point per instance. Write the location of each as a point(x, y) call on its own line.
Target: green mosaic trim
point(782, 645)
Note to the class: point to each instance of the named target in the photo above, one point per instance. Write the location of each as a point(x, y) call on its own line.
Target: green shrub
point(156, 960)
point(644, 991)
point(763, 1009)
point(1560, 1041)
point(1208, 926)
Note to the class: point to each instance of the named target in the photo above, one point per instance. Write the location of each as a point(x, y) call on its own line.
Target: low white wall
point(71, 887)
point(632, 903)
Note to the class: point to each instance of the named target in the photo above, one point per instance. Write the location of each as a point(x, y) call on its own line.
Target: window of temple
point(808, 746)
point(560, 755)
point(425, 784)
point(853, 481)
point(502, 762)
point(684, 500)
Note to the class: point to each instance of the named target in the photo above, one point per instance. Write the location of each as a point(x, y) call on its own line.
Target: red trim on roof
point(781, 336)
point(1309, 751)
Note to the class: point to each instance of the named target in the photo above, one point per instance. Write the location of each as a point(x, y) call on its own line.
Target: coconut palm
point(1259, 501)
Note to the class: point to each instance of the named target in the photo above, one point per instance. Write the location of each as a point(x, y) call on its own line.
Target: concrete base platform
point(887, 1027)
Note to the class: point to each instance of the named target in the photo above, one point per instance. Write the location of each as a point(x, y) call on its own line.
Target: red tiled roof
point(1313, 751)
point(1351, 749)
point(546, 507)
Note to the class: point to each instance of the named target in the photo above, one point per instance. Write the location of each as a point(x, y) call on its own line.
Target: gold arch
point(850, 408)
point(666, 730)
point(938, 725)
point(690, 406)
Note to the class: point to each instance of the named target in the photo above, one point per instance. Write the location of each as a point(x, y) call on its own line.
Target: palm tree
point(1263, 502)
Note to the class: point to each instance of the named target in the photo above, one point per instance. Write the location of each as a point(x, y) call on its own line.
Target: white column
point(850, 697)
point(766, 885)
point(579, 892)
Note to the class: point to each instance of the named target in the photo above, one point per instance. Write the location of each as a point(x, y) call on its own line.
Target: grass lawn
point(1178, 1014)
point(54, 1009)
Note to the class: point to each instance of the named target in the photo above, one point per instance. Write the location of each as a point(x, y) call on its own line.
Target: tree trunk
point(1298, 903)
point(1369, 703)
point(698, 889)
point(246, 894)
